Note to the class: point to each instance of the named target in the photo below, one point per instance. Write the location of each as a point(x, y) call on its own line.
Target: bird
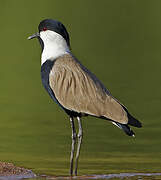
point(74, 88)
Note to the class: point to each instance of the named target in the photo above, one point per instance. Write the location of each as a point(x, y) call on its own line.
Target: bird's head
point(51, 31)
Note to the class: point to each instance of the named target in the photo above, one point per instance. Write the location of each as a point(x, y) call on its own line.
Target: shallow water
point(130, 176)
point(139, 176)
point(117, 40)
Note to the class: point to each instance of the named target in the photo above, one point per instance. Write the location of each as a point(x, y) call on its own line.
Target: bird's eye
point(44, 29)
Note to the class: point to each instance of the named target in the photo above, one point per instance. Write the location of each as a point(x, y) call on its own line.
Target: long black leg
point(73, 145)
point(80, 135)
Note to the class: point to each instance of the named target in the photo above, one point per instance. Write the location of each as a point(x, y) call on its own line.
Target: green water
point(120, 42)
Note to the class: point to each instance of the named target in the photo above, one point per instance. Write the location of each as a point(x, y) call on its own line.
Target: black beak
point(34, 36)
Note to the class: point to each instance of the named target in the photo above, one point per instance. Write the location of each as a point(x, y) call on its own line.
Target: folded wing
point(77, 89)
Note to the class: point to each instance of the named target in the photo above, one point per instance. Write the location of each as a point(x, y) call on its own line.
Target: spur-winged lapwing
point(73, 87)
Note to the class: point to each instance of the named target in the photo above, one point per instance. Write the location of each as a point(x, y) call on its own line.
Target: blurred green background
point(120, 42)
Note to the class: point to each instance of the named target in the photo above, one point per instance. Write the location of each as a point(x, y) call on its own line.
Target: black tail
point(131, 120)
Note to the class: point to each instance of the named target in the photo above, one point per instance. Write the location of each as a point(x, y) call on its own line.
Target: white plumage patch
point(54, 45)
point(116, 125)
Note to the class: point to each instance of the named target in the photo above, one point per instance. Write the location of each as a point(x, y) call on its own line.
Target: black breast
point(45, 71)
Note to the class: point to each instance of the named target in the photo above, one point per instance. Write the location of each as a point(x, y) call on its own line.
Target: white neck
point(54, 45)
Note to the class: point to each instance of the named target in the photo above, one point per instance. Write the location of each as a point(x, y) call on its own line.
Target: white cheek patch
point(54, 45)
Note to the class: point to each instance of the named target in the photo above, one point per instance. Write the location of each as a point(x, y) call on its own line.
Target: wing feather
point(78, 90)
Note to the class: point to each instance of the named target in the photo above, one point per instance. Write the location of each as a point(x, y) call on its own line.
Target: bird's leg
point(80, 135)
point(73, 145)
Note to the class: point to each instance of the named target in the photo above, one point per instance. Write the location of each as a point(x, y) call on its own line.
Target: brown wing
point(76, 89)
